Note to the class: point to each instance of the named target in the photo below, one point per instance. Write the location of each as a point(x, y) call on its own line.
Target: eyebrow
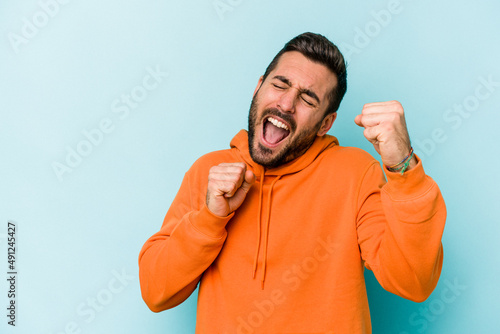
point(306, 91)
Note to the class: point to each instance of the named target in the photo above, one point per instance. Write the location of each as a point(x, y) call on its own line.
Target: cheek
point(306, 121)
point(269, 96)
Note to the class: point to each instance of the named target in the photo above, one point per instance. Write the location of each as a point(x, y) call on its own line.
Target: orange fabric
point(321, 219)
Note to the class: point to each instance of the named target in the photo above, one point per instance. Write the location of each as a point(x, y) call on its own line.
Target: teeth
point(277, 123)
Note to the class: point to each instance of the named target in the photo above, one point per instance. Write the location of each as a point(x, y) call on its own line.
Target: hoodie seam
point(358, 188)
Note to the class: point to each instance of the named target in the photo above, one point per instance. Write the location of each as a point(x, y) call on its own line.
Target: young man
point(278, 228)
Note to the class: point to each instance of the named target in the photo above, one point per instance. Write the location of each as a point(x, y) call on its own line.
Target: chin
point(266, 156)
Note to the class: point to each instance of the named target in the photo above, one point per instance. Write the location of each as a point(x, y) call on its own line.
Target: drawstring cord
point(259, 229)
point(266, 233)
point(261, 190)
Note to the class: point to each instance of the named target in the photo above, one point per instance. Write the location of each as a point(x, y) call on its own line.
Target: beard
point(298, 142)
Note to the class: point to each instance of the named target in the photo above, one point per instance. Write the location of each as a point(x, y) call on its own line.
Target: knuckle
point(237, 170)
point(232, 178)
point(395, 117)
point(398, 106)
point(387, 127)
point(225, 186)
point(241, 167)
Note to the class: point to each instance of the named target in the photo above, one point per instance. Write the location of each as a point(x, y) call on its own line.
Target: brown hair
point(319, 49)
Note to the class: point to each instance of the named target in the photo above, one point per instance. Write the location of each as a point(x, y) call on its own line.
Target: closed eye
point(278, 86)
point(309, 103)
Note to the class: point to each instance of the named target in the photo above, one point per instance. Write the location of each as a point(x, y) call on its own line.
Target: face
point(288, 108)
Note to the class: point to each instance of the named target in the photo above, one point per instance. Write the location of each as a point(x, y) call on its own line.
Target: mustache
point(286, 117)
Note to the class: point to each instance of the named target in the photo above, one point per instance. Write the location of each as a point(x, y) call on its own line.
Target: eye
point(278, 86)
point(309, 103)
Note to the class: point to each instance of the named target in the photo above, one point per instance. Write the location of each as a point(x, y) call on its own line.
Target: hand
point(228, 185)
point(385, 128)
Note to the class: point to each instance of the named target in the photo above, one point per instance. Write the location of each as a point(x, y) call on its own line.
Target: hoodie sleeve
point(172, 261)
point(401, 243)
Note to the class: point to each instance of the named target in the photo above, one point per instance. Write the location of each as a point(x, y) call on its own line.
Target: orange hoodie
point(291, 258)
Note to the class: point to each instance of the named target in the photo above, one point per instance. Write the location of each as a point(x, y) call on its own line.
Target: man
point(277, 229)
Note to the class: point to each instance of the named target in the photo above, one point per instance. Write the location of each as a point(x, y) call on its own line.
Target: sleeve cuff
point(208, 223)
point(411, 183)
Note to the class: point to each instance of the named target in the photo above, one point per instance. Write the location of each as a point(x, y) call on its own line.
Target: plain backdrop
point(105, 105)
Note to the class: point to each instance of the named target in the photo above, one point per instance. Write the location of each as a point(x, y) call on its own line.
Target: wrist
point(208, 223)
point(404, 165)
point(413, 163)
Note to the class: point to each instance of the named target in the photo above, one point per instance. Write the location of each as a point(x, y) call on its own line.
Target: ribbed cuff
point(209, 224)
point(411, 183)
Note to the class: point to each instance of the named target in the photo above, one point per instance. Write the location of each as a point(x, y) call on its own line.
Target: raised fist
point(228, 185)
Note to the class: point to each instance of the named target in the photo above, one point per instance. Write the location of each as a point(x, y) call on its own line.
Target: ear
point(258, 85)
point(326, 124)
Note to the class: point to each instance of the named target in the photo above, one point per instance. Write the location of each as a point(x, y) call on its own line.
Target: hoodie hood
point(240, 143)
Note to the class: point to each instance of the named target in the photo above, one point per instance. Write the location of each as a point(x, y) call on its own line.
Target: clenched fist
point(385, 128)
point(228, 185)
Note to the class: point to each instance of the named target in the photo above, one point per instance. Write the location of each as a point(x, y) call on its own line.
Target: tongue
point(273, 134)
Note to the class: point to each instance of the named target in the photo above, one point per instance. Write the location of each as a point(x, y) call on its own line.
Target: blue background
point(65, 66)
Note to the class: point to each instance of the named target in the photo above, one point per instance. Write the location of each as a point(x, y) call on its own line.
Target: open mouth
point(274, 131)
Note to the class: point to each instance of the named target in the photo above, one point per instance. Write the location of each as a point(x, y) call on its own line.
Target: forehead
point(305, 73)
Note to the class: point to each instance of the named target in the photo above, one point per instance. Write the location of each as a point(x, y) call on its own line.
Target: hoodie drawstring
point(261, 190)
point(266, 229)
point(266, 232)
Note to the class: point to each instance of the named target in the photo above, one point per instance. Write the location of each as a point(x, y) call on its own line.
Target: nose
point(287, 100)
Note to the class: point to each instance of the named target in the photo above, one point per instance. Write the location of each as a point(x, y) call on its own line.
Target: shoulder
point(349, 164)
point(346, 155)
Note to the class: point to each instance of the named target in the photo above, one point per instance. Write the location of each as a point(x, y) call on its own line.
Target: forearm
point(403, 246)
point(172, 261)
